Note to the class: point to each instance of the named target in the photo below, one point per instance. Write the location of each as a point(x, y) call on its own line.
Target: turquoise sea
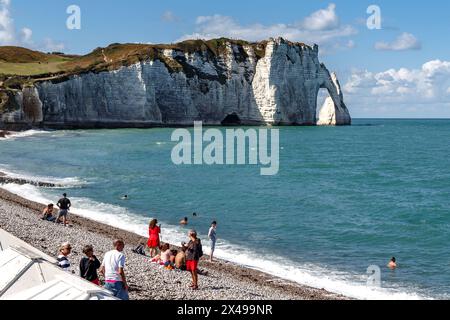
point(345, 198)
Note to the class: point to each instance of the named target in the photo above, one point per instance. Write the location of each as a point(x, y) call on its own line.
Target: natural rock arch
point(334, 111)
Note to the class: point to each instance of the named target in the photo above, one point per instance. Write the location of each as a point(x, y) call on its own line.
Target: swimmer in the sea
point(125, 197)
point(184, 221)
point(392, 264)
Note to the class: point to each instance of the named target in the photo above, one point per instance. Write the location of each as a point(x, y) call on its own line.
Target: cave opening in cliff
point(231, 120)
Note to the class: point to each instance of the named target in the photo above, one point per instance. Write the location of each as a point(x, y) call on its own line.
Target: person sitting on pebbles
point(180, 258)
point(47, 214)
point(165, 256)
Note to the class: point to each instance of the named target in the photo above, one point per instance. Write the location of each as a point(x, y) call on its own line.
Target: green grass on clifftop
point(25, 62)
point(20, 66)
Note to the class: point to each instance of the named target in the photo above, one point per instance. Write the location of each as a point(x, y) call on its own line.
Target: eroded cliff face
point(23, 109)
point(239, 85)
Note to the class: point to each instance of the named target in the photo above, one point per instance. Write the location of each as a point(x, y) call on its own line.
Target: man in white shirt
point(113, 269)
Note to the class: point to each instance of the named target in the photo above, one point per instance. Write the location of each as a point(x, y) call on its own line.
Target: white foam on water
point(305, 274)
point(26, 191)
point(70, 182)
point(25, 134)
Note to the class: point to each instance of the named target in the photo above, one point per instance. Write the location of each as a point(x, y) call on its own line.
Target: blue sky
point(401, 70)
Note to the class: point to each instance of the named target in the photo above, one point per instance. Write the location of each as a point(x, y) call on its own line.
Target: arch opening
point(322, 96)
point(231, 120)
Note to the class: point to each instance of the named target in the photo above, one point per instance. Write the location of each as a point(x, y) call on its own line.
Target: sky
point(399, 70)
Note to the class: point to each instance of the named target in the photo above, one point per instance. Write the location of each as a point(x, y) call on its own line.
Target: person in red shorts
point(153, 240)
point(193, 254)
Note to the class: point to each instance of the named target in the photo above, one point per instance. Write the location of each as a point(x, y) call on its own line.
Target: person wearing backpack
point(194, 252)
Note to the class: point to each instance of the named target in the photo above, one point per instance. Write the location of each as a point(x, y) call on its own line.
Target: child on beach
point(172, 256)
point(89, 266)
point(47, 214)
point(165, 256)
point(212, 238)
point(63, 261)
point(170, 265)
point(193, 254)
point(153, 240)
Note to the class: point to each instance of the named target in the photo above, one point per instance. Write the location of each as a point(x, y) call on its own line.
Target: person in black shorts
point(64, 207)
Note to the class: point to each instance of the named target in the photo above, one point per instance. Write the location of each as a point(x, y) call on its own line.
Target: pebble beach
point(147, 281)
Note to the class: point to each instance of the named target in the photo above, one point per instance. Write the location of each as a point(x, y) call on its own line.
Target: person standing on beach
point(89, 266)
point(63, 261)
point(212, 238)
point(112, 268)
point(153, 240)
point(193, 254)
point(64, 207)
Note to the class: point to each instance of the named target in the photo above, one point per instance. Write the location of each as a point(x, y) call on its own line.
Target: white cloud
point(324, 19)
point(351, 44)
point(169, 16)
point(10, 36)
point(398, 90)
point(26, 35)
point(51, 46)
point(7, 32)
point(405, 41)
point(321, 27)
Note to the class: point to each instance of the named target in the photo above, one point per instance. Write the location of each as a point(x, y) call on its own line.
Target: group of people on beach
point(112, 268)
point(185, 259)
point(64, 205)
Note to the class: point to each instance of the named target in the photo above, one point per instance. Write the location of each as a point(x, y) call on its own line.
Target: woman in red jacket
point(153, 240)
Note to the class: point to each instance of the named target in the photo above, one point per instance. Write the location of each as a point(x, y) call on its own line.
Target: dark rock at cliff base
point(3, 134)
point(4, 179)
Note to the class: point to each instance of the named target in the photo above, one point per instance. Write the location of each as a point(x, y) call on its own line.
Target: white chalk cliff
point(238, 86)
